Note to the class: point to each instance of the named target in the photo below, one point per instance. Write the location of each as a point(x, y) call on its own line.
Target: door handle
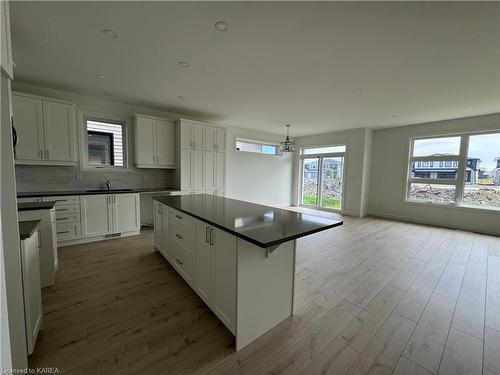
point(206, 234)
point(211, 239)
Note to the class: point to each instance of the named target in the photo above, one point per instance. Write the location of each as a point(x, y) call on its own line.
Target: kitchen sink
point(108, 191)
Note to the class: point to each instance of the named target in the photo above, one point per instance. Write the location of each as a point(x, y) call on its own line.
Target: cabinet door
point(198, 167)
point(224, 277)
point(203, 263)
point(32, 289)
point(220, 140)
point(165, 233)
point(220, 171)
point(158, 224)
point(186, 172)
point(185, 128)
point(96, 215)
point(165, 146)
point(209, 170)
point(6, 57)
point(126, 212)
point(209, 138)
point(198, 136)
point(145, 141)
point(28, 121)
point(59, 131)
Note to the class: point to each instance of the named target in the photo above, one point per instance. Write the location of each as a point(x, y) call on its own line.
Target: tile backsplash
point(50, 178)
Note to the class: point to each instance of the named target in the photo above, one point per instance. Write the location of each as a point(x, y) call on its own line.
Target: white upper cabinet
point(46, 130)
point(59, 131)
point(186, 170)
point(185, 129)
point(210, 133)
point(198, 136)
point(220, 171)
point(154, 143)
point(6, 58)
point(220, 139)
point(198, 169)
point(28, 121)
point(209, 171)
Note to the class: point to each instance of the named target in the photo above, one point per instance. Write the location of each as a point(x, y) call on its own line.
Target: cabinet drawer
point(181, 219)
point(67, 209)
point(62, 218)
point(63, 199)
point(29, 200)
point(181, 234)
point(67, 232)
point(183, 261)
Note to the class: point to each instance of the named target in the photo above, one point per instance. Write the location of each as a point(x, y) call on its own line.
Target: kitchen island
point(238, 256)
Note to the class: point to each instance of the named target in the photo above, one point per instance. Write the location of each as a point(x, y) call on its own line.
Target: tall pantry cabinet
point(202, 157)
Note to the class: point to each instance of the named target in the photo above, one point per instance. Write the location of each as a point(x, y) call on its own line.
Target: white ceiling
point(286, 62)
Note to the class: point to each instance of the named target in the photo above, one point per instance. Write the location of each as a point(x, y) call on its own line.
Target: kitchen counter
point(260, 225)
point(31, 194)
point(29, 206)
point(27, 228)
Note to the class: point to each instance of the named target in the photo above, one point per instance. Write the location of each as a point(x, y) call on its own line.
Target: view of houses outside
point(331, 182)
point(482, 175)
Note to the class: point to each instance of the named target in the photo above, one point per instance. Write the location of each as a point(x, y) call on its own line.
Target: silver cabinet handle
point(178, 261)
point(41, 154)
point(61, 209)
point(114, 198)
point(178, 236)
point(206, 234)
point(63, 232)
point(47, 154)
point(62, 218)
point(178, 217)
point(211, 239)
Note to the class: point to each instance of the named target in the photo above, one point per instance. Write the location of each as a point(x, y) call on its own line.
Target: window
point(468, 173)
point(323, 150)
point(246, 145)
point(104, 143)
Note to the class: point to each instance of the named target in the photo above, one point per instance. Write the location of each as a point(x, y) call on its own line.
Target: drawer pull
point(61, 209)
point(178, 217)
point(63, 232)
point(62, 218)
point(178, 236)
point(206, 235)
point(178, 261)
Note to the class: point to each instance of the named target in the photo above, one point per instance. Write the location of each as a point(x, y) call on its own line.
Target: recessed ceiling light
point(357, 92)
point(221, 26)
point(110, 33)
point(394, 116)
point(102, 76)
point(184, 64)
point(180, 97)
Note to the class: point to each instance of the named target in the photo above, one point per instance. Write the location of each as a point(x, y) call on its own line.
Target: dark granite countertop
point(263, 226)
point(27, 228)
point(29, 206)
point(31, 194)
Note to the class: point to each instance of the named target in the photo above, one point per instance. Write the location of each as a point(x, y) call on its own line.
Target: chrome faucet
point(108, 185)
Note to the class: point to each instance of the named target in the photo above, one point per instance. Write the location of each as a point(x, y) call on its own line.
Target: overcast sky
point(485, 147)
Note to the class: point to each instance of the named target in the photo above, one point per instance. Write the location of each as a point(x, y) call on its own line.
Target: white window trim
point(257, 141)
point(319, 156)
point(459, 183)
point(84, 115)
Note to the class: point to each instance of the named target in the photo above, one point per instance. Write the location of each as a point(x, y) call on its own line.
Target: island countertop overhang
point(261, 225)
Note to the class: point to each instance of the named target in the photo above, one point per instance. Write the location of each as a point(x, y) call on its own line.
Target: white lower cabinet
point(158, 225)
point(105, 214)
point(203, 262)
point(32, 291)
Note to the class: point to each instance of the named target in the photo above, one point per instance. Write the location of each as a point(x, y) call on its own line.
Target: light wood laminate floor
point(373, 296)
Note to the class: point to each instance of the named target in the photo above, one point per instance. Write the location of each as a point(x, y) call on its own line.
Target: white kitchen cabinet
point(185, 129)
point(154, 142)
point(96, 213)
point(125, 212)
point(181, 244)
point(105, 214)
point(46, 130)
point(186, 170)
point(198, 164)
point(158, 225)
point(220, 140)
point(209, 171)
point(220, 171)
point(203, 262)
point(31, 288)
point(59, 131)
point(28, 121)
point(165, 233)
point(210, 141)
point(198, 135)
point(6, 46)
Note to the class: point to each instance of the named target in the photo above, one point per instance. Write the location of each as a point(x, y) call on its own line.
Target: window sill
point(106, 169)
point(492, 210)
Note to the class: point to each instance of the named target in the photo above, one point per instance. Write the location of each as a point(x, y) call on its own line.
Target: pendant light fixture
point(287, 146)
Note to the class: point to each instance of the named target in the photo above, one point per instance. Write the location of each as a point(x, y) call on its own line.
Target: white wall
point(388, 177)
point(254, 177)
point(357, 167)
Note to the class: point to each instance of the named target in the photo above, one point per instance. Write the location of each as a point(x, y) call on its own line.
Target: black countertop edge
point(252, 240)
point(27, 228)
point(30, 206)
point(33, 194)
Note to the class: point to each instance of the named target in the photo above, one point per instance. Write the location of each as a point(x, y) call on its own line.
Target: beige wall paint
point(357, 166)
point(388, 177)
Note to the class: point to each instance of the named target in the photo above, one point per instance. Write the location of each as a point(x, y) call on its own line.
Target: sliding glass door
point(323, 177)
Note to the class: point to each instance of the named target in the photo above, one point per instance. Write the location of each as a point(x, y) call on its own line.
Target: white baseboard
point(97, 238)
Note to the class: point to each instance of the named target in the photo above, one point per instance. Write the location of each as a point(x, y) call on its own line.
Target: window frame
point(279, 153)
point(111, 119)
point(459, 183)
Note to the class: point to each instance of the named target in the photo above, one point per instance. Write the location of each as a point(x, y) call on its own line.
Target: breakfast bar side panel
point(265, 283)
